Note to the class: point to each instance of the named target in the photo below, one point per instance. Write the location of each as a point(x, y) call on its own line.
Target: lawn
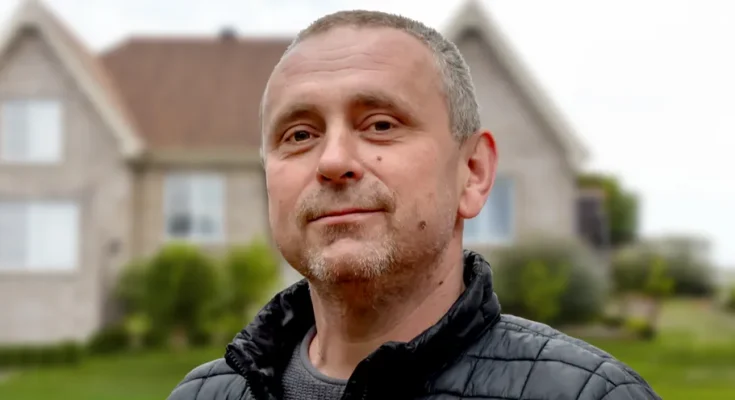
point(129, 377)
point(686, 362)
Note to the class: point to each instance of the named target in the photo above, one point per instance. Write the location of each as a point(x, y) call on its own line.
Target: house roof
point(473, 16)
point(195, 93)
point(83, 67)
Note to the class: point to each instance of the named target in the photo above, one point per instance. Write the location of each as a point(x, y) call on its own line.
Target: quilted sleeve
point(211, 381)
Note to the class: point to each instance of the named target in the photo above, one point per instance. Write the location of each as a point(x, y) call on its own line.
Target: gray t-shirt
point(302, 381)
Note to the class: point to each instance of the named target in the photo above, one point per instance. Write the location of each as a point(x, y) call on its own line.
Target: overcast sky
point(648, 84)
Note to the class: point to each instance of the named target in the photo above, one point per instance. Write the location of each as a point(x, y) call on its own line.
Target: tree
point(621, 207)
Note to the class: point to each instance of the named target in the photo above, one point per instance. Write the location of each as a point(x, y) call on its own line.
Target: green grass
point(694, 358)
point(679, 372)
point(129, 377)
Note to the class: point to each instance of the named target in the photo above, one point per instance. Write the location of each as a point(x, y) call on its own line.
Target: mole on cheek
point(380, 158)
point(422, 225)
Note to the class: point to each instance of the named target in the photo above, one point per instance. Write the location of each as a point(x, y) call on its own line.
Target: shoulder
point(214, 380)
point(539, 360)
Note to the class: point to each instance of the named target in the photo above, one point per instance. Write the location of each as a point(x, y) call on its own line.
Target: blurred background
point(134, 238)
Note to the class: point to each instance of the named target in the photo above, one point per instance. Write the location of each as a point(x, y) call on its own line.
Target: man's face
point(360, 164)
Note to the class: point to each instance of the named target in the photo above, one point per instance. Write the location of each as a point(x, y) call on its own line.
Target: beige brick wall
point(36, 307)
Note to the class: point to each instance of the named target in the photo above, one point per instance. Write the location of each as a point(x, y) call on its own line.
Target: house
point(105, 157)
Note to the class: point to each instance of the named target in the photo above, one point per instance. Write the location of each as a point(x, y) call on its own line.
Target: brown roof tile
point(194, 93)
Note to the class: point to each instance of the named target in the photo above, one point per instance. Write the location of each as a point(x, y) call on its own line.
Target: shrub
point(252, 274)
point(551, 281)
point(640, 328)
point(730, 299)
point(182, 297)
point(643, 269)
point(613, 321)
point(108, 340)
point(28, 356)
point(180, 289)
point(249, 275)
point(130, 291)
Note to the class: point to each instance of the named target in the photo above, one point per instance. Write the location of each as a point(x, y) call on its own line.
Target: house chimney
point(227, 33)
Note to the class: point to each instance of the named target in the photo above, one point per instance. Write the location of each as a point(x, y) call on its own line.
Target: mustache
point(329, 198)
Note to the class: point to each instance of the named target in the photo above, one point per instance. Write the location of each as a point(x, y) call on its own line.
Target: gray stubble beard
point(375, 261)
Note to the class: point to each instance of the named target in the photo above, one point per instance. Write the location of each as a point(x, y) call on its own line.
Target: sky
point(648, 85)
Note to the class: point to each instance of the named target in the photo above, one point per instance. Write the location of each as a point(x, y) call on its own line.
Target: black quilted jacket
point(474, 352)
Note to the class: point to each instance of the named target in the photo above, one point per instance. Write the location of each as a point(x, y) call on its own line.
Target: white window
point(194, 206)
point(39, 235)
point(494, 224)
point(31, 131)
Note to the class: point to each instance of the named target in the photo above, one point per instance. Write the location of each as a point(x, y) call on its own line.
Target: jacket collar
point(262, 349)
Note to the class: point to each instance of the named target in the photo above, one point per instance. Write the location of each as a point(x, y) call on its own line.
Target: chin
point(348, 260)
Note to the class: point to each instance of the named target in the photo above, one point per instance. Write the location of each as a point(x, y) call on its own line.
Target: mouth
point(345, 215)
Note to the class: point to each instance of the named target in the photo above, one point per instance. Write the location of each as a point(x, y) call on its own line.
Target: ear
point(480, 156)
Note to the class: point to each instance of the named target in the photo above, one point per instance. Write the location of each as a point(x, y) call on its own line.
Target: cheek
point(418, 179)
point(282, 195)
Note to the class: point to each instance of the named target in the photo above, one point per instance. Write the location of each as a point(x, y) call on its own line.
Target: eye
point(300, 136)
point(382, 126)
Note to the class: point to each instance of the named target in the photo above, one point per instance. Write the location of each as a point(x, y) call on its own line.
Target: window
point(39, 235)
point(194, 206)
point(31, 131)
point(494, 224)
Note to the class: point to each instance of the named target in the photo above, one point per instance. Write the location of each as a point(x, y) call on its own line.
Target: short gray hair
point(459, 91)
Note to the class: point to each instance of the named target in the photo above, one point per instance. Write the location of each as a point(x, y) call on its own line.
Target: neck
point(355, 319)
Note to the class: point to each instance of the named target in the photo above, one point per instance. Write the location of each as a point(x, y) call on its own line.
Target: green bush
point(28, 356)
point(641, 328)
point(252, 274)
point(130, 290)
point(691, 277)
point(551, 281)
point(613, 321)
point(108, 340)
point(249, 275)
point(181, 287)
point(183, 297)
point(730, 299)
point(641, 268)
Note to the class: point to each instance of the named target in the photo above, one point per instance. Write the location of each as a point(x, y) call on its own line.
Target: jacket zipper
point(241, 370)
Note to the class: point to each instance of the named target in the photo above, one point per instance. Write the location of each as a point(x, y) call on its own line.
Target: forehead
point(347, 60)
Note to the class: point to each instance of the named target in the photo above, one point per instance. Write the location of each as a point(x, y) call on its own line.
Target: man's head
point(372, 147)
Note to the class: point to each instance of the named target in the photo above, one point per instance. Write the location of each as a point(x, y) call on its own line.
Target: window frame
point(26, 267)
point(221, 179)
point(508, 239)
point(28, 102)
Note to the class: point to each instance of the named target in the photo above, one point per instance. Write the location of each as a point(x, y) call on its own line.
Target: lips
point(344, 213)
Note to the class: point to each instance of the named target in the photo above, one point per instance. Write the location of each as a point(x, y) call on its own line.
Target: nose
point(339, 163)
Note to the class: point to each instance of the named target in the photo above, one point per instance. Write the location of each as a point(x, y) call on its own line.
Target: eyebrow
point(293, 112)
point(375, 99)
point(363, 99)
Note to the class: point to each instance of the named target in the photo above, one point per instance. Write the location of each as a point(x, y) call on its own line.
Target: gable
point(519, 130)
point(81, 66)
point(472, 17)
point(29, 67)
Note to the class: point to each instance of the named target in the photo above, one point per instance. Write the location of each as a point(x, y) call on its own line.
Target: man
point(374, 156)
